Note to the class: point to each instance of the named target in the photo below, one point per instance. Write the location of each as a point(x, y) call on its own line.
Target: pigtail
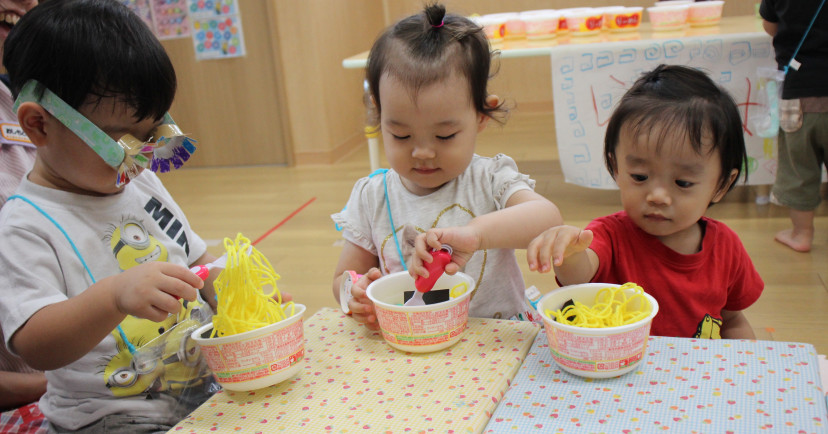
point(435, 13)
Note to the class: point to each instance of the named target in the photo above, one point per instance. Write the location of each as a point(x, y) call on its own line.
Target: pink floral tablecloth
point(352, 381)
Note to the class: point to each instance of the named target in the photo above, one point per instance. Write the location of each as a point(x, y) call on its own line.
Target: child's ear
point(33, 119)
point(722, 191)
point(491, 101)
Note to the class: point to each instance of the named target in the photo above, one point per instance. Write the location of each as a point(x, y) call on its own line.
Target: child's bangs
point(671, 123)
point(144, 85)
point(416, 72)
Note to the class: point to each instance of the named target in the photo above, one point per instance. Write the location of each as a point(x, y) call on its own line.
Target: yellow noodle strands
point(612, 308)
point(243, 304)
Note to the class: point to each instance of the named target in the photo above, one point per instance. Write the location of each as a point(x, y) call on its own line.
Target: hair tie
point(441, 25)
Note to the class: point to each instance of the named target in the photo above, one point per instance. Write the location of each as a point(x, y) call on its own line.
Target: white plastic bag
point(764, 119)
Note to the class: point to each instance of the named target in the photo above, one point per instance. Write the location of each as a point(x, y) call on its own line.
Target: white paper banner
point(588, 80)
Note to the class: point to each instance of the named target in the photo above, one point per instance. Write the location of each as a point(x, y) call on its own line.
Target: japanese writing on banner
point(588, 81)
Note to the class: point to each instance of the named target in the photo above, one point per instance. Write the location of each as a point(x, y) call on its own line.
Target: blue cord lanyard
point(801, 41)
point(390, 217)
point(384, 173)
point(78, 254)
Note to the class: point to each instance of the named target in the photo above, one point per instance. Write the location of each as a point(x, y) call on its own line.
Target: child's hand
point(556, 243)
point(152, 290)
point(362, 308)
point(464, 241)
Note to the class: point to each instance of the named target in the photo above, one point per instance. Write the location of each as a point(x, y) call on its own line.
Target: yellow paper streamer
point(243, 304)
point(612, 308)
point(458, 290)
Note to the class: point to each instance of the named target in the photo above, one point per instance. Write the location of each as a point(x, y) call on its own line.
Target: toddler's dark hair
point(678, 101)
point(431, 46)
point(87, 49)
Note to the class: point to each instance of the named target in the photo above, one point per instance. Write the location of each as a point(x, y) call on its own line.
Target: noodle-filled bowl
point(421, 329)
point(595, 350)
point(257, 358)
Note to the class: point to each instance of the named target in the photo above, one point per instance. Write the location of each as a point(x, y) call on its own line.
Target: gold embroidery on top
point(399, 229)
point(385, 269)
point(485, 252)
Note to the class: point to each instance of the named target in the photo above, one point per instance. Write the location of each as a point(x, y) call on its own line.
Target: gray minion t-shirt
point(112, 233)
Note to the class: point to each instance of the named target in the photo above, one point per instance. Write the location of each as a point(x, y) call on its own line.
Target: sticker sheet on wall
point(142, 9)
point(216, 29)
point(170, 19)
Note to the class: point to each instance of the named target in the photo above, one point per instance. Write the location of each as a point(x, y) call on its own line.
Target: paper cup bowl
point(419, 329)
point(257, 358)
point(668, 17)
point(707, 13)
point(594, 352)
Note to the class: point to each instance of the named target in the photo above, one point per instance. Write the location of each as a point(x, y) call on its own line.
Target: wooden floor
point(304, 249)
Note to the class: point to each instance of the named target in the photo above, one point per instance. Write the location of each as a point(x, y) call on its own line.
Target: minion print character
point(709, 328)
point(152, 357)
point(126, 375)
point(166, 359)
point(132, 245)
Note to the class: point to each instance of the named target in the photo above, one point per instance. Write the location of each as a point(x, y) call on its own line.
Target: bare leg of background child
point(801, 235)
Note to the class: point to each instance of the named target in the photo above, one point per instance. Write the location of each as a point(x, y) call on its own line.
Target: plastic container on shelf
point(608, 11)
point(562, 23)
point(624, 19)
point(706, 13)
point(584, 22)
point(541, 24)
point(670, 17)
point(494, 26)
point(509, 24)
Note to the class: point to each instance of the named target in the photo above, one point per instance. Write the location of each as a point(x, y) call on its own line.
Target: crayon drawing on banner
point(589, 80)
point(170, 19)
point(216, 29)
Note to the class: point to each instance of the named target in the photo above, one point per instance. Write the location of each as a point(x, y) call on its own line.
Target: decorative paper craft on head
point(170, 150)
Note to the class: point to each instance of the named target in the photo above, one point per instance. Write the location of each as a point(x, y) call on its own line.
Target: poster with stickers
point(215, 26)
point(142, 9)
point(216, 29)
point(170, 19)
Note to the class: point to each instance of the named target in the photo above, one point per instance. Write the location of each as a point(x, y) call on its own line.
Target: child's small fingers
point(155, 314)
point(358, 308)
point(585, 237)
point(433, 240)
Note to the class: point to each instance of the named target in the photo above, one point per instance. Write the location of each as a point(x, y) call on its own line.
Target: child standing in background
point(95, 266)
point(674, 146)
point(428, 75)
point(803, 136)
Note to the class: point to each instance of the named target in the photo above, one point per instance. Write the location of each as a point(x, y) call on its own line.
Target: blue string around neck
point(78, 254)
point(384, 173)
point(801, 41)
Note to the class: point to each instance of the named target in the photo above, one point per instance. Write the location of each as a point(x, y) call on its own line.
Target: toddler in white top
point(428, 75)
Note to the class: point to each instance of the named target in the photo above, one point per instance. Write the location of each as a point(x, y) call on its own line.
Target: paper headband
point(170, 150)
